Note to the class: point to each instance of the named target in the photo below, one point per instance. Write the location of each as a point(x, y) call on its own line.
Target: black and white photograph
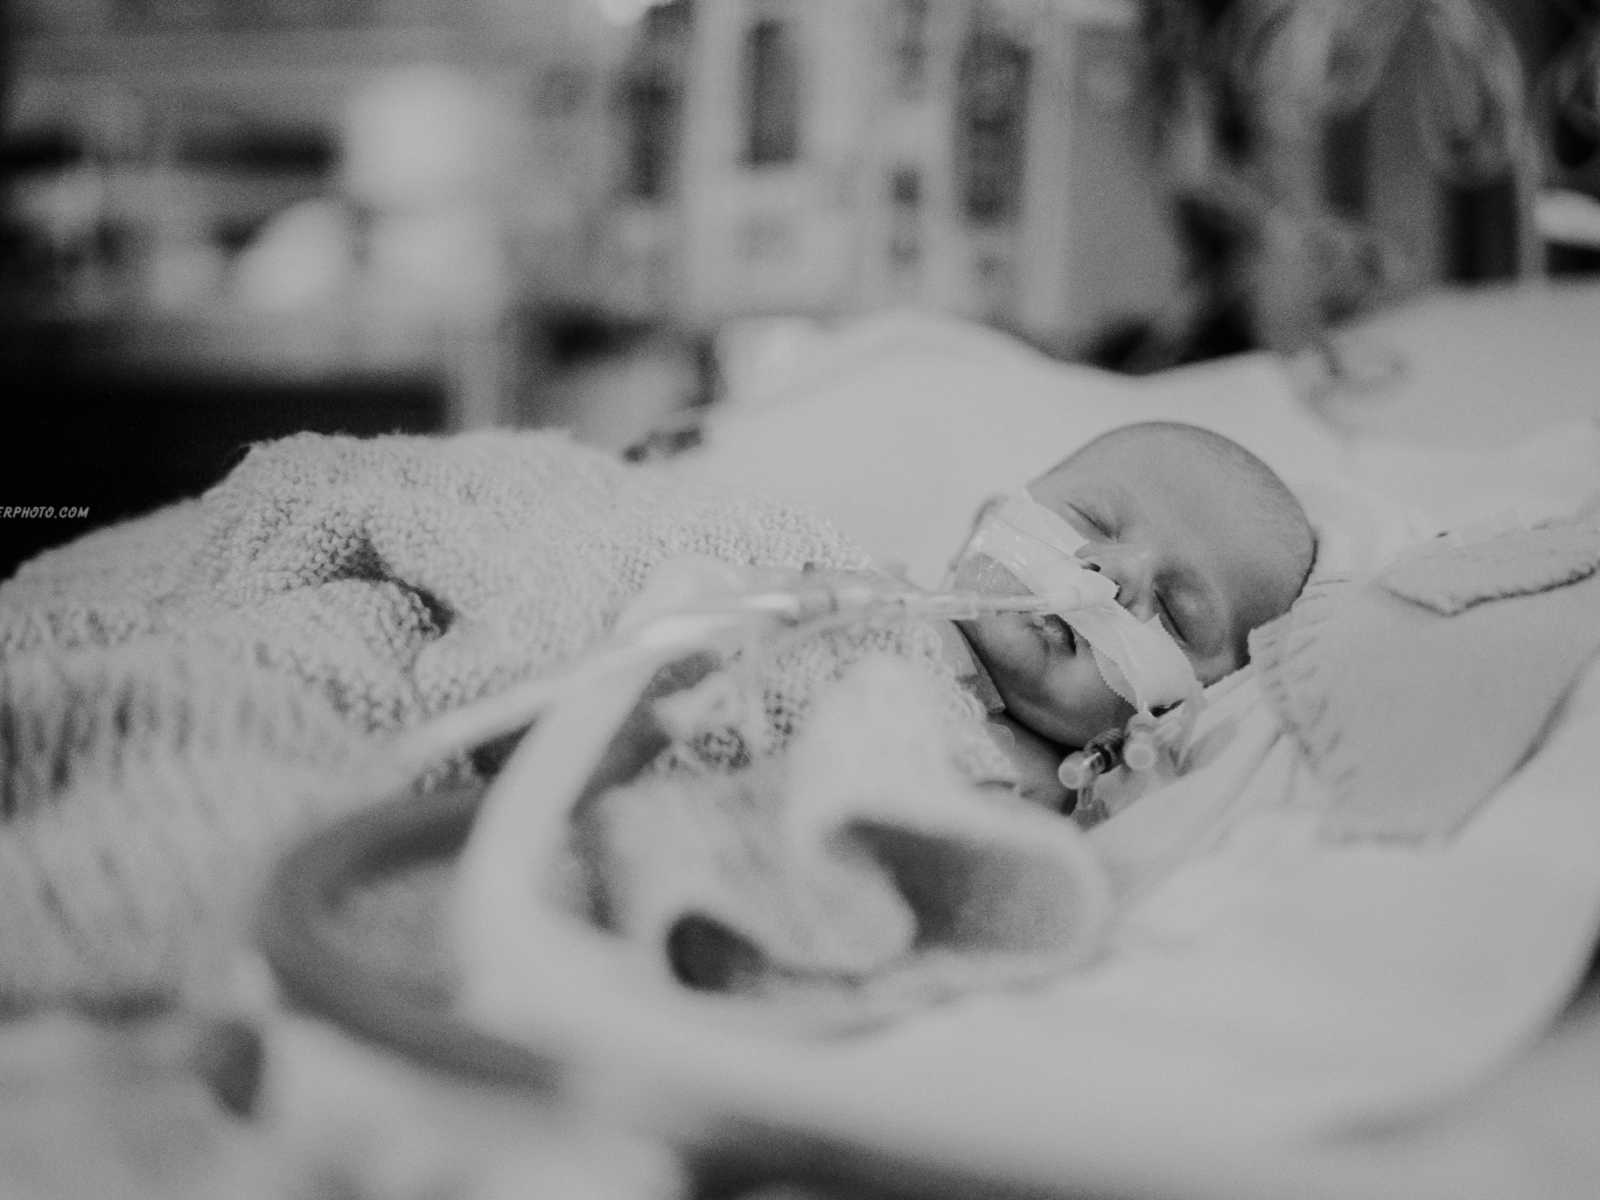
point(799, 599)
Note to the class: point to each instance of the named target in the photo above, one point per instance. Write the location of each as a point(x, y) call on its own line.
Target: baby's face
point(1183, 541)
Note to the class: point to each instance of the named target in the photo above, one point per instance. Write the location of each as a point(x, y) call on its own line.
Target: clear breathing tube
point(822, 596)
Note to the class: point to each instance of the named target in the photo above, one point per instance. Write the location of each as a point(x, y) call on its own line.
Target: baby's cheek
point(1080, 693)
point(1007, 648)
point(1006, 635)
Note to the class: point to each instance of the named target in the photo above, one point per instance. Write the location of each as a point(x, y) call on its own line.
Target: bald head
point(1223, 536)
point(1261, 490)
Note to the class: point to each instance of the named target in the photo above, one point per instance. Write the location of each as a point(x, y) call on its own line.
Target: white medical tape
point(1138, 659)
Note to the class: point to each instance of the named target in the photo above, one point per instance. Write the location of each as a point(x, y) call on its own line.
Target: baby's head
point(1195, 531)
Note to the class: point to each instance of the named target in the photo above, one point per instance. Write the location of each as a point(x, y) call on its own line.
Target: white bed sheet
point(1268, 987)
point(900, 425)
point(1268, 991)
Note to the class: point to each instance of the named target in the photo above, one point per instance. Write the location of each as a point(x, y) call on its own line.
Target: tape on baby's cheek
point(1022, 546)
point(1139, 661)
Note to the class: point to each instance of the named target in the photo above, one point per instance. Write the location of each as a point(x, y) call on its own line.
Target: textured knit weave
point(181, 694)
point(1414, 703)
point(1450, 578)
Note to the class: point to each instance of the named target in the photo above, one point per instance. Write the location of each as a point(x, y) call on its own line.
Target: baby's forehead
point(1134, 461)
point(1168, 475)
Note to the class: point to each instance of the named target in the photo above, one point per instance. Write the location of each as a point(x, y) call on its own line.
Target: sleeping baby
point(1196, 533)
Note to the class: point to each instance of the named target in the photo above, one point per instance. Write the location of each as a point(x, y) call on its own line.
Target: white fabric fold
point(1265, 987)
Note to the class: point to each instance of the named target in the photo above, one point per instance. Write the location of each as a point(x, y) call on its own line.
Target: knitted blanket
point(182, 694)
point(1416, 694)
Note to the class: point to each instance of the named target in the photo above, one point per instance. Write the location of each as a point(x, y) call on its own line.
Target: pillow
point(1547, 472)
point(1358, 530)
point(899, 426)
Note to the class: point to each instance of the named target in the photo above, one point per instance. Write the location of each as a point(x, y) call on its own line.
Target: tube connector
point(1099, 755)
point(1136, 746)
point(1139, 749)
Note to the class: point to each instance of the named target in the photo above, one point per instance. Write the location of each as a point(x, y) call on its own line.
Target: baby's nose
point(1131, 568)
